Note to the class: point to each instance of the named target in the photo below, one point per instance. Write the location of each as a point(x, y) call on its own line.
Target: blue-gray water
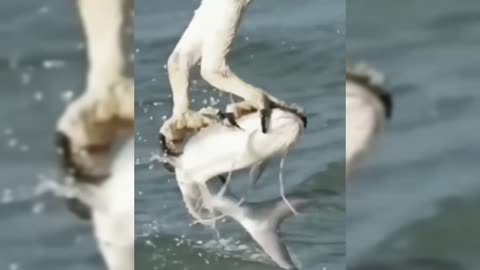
point(415, 206)
point(296, 52)
point(41, 66)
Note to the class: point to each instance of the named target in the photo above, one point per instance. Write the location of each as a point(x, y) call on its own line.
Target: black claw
point(68, 168)
point(265, 119)
point(304, 120)
point(169, 167)
point(230, 118)
point(78, 208)
point(68, 165)
point(299, 114)
point(64, 151)
point(164, 146)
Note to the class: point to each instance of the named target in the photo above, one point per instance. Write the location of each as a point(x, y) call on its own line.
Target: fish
point(368, 108)
point(109, 205)
point(221, 149)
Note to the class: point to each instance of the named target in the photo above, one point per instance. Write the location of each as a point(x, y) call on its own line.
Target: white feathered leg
point(106, 109)
point(186, 54)
point(184, 57)
point(210, 36)
point(222, 19)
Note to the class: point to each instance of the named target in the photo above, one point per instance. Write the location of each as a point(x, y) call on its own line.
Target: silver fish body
point(220, 149)
point(111, 204)
point(368, 108)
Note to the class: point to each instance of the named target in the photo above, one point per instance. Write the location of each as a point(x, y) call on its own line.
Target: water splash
point(233, 248)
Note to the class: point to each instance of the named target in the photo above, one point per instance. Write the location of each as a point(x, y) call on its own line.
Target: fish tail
point(271, 216)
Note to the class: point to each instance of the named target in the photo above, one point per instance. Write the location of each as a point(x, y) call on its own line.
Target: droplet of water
point(38, 96)
point(24, 148)
point(12, 142)
point(214, 101)
point(150, 243)
point(25, 78)
point(50, 64)
point(8, 131)
point(7, 196)
point(43, 10)
point(38, 207)
point(67, 95)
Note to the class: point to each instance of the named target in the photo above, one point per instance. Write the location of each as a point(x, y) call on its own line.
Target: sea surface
point(42, 68)
point(416, 203)
point(297, 53)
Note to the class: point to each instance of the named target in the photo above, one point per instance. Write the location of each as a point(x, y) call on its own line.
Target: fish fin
point(264, 230)
point(271, 244)
point(256, 172)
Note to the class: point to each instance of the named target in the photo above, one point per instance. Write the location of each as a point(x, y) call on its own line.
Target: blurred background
point(297, 53)
point(415, 206)
point(42, 67)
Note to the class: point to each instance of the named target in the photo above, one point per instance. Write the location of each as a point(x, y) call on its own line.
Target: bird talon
point(230, 117)
point(299, 115)
point(303, 118)
point(165, 148)
point(265, 119)
point(68, 166)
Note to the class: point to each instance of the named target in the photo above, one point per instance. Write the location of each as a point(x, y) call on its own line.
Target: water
point(415, 206)
point(41, 66)
point(297, 53)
